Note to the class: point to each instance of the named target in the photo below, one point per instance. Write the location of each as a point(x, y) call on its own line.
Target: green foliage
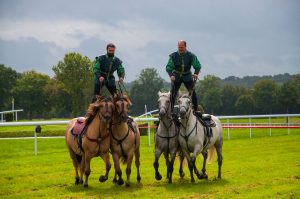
point(59, 99)
point(75, 73)
point(265, 96)
point(210, 94)
point(8, 78)
point(144, 91)
point(244, 104)
point(29, 95)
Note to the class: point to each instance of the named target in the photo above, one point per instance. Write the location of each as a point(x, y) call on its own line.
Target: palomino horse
point(193, 139)
point(166, 138)
point(95, 139)
point(125, 140)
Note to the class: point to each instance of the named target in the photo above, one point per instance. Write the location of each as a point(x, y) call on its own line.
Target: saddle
point(206, 121)
point(78, 131)
point(79, 126)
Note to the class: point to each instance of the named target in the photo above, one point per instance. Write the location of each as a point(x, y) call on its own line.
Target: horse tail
point(211, 153)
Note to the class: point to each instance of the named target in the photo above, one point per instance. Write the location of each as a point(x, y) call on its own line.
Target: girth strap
point(119, 142)
point(186, 137)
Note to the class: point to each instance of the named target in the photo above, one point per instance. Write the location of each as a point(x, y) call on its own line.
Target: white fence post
point(35, 142)
point(228, 131)
point(288, 123)
point(250, 127)
point(270, 129)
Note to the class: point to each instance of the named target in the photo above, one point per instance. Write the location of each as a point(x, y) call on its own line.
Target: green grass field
point(262, 167)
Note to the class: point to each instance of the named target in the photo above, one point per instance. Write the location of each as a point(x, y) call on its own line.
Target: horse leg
point(118, 170)
point(203, 175)
point(87, 171)
point(82, 168)
point(171, 166)
point(75, 165)
point(167, 164)
point(190, 164)
point(128, 169)
point(105, 157)
point(137, 163)
point(193, 160)
point(220, 158)
point(181, 157)
point(156, 164)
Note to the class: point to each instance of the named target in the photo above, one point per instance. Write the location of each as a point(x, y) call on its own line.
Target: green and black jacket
point(180, 64)
point(105, 66)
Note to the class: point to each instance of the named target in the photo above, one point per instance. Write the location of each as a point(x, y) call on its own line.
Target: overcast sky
point(230, 37)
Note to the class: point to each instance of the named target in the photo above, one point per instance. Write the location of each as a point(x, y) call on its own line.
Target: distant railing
point(226, 124)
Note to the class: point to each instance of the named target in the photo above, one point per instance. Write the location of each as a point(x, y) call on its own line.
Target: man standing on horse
point(104, 67)
point(179, 70)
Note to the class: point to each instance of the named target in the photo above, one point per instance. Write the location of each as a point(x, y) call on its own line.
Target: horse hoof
point(80, 181)
point(192, 180)
point(127, 184)
point(202, 176)
point(158, 176)
point(76, 181)
point(170, 181)
point(102, 178)
point(85, 185)
point(115, 181)
point(120, 182)
point(182, 174)
point(138, 178)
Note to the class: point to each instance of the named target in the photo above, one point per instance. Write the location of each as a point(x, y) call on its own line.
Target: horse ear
point(159, 93)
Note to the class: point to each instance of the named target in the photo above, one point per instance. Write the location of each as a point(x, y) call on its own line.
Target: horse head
point(163, 103)
point(185, 104)
point(122, 103)
point(104, 107)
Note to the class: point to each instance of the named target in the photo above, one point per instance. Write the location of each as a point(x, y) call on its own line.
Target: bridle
point(164, 107)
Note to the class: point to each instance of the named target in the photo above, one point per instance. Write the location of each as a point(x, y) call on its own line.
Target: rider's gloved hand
point(195, 77)
point(121, 79)
point(172, 78)
point(101, 79)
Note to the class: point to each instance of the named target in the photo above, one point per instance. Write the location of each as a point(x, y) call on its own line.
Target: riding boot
point(197, 113)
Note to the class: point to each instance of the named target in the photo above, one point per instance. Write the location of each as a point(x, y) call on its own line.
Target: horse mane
point(91, 112)
point(95, 107)
point(122, 97)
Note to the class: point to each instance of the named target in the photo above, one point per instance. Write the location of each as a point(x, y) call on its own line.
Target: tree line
point(69, 92)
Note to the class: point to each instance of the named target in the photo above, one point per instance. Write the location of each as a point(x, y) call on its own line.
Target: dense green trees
point(29, 94)
point(8, 78)
point(68, 93)
point(144, 91)
point(74, 73)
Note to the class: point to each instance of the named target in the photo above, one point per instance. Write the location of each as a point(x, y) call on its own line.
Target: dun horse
point(166, 138)
point(125, 140)
point(194, 138)
point(95, 139)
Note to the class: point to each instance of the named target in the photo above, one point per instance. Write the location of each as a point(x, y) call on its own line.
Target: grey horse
point(192, 138)
point(166, 138)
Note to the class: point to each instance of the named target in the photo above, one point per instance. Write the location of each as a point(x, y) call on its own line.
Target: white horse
point(166, 138)
point(193, 138)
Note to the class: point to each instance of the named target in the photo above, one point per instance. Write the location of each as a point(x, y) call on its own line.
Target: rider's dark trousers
point(109, 83)
point(189, 85)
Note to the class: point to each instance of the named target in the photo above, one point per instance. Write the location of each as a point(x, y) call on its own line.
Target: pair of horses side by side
point(106, 129)
point(188, 137)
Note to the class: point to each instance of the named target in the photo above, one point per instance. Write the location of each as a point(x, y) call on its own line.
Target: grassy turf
point(265, 167)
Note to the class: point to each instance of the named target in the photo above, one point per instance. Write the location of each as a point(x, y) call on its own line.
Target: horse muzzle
point(162, 112)
point(182, 112)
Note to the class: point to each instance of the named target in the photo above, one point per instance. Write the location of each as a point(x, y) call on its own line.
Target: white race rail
point(40, 123)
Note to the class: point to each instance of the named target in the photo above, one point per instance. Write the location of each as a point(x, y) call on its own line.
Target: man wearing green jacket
point(104, 67)
point(179, 70)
